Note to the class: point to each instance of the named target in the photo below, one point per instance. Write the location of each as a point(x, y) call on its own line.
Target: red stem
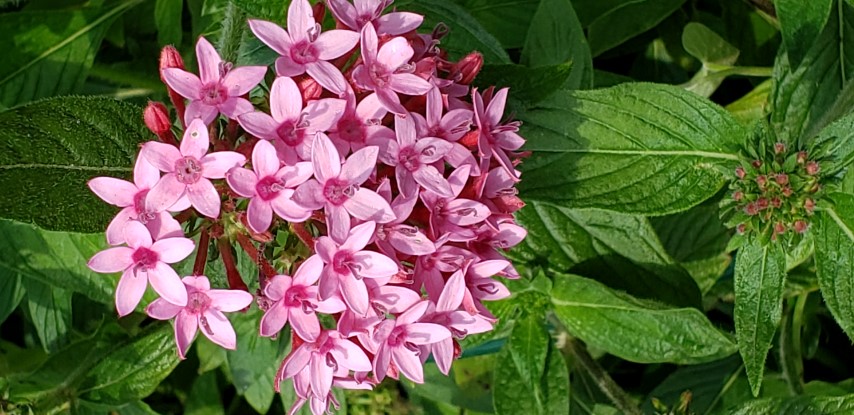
point(202, 253)
point(302, 233)
point(235, 282)
point(178, 103)
point(267, 270)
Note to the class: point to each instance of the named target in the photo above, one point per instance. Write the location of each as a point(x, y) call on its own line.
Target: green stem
point(617, 395)
point(233, 25)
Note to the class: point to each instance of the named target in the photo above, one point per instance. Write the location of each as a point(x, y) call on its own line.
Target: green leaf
point(634, 148)
point(50, 311)
point(11, 293)
point(802, 95)
point(211, 356)
point(132, 371)
point(467, 386)
point(750, 108)
point(801, 23)
point(204, 397)
point(555, 37)
point(801, 405)
point(760, 274)
point(834, 258)
point(713, 52)
point(836, 143)
point(626, 21)
point(636, 330)
point(167, 17)
point(253, 365)
point(51, 148)
point(507, 20)
point(48, 52)
point(527, 85)
point(706, 382)
point(466, 34)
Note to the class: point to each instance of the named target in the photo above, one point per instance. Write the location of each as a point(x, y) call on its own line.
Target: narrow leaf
point(626, 21)
point(760, 274)
point(507, 20)
point(555, 37)
point(11, 293)
point(50, 311)
point(636, 330)
point(834, 258)
point(167, 17)
point(634, 148)
point(801, 23)
point(836, 143)
point(797, 406)
point(51, 148)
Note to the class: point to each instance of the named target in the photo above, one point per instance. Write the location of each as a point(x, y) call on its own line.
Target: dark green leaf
point(272, 10)
point(50, 311)
point(760, 274)
point(626, 21)
point(211, 356)
point(167, 17)
point(836, 143)
point(131, 372)
point(555, 37)
point(635, 148)
point(507, 20)
point(801, 23)
point(802, 405)
point(11, 293)
point(527, 85)
point(468, 386)
point(51, 148)
point(204, 397)
point(834, 258)
point(802, 95)
point(633, 329)
point(56, 259)
point(752, 107)
point(466, 35)
point(706, 382)
point(48, 52)
point(253, 365)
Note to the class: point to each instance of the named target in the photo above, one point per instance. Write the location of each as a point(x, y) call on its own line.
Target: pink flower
point(337, 189)
point(295, 300)
point(451, 126)
point(413, 158)
point(496, 139)
point(220, 88)
point(453, 215)
point(143, 261)
point(290, 125)
point(370, 11)
point(396, 235)
point(269, 187)
point(303, 48)
point(348, 263)
point(131, 197)
point(386, 70)
point(204, 307)
point(481, 287)
point(398, 340)
point(188, 171)
point(360, 125)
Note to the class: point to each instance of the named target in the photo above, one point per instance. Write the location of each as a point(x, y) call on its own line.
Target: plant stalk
point(614, 392)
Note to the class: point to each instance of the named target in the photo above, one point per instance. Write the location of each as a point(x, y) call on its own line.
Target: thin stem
point(617, 395)
point(257, 256)
point(202, 253)
point(232, 31)
point(235, 282)
point(303, 234)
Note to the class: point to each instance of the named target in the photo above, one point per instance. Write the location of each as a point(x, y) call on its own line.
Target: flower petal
point(209, 61)
point(184, 83)
point(495, 109)
point(242, 79)
point(321, 375)
point(309, 272)
point(229, 300)
point(289, 210)
point(355, 294)
point(264, 159)
point(204, 198)
point(398, 23)
point(164, 194)
point(338, 222)
point(430, 178)
point(349, 355)
point(234, 107)
point(129, 291)
point(395, 53)
point(358, 167)
point(408, 363)
point(374, 264)
point(324, 158)
point(161, 309)
point(295, 362)
point(165, 282)
point(242, 181)
point(217, 328)
point(322, 114)
point(452, 294)
point(274, 320)
point(214, 165)
point(161, 155)
point(334, 43)
point(309, 195)
point(115, 230)
point(359, 237)
point(443, 354)
point(285, 100)
point(259, 215)
point(272, 35)
point(114, 191)
point(196, 140)
point(172, 250)
point(368, 205)
point(112, 260)
point(304, 324)
point(186, 327)
point(404, 127)
point(409, 84)
point(201, 111)
point(426, 333)
point(137, 235)
point(328, 76)
point(300, 20)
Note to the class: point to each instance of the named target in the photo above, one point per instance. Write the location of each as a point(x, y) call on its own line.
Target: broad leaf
point(713, 52)
point(802, 95)
point(706, 382)
point(55, 259)
point(634, 148)
point(527, 85)
point(636, 330)
point(204, 397)
point(167, 17)
point(132, 371)
point(253, 365)
point(760, 274)
point(798, 406)
point(49, 52)
point(50, 311)
point(466, 34)
point(751, 107)
point(836, 143)
point(555, 37)
point(801, 23)
point(507, 20)
point(626, 21)
point(11, 293)
point(834, 258)
point(51, 148)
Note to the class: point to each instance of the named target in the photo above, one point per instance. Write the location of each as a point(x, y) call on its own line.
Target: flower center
point(379, 75)
point(268, 188)
point(214, 94)
point(295, 296)
point(198, 302)
point(343, 263)
point(292, 133)
point(408, 158)
point(304, 52)
point(145, 258)
point(188, 170)
point(397, 337)
point(142, 215)
point(350, 130)
point(337, 191)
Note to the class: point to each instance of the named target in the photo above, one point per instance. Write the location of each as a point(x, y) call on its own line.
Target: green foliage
point(627, 20)
point(555, 37)
point(834, 258)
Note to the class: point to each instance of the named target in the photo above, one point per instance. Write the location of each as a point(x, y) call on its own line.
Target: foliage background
point(628, 299)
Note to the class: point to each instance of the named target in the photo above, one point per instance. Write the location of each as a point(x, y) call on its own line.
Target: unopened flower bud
point(319, 12)
point(756, 164)
point(308, 88)
point(782, 179)
point(156, 118)
point(739, 172)
point(787, 191)
point(170, 58)
point(741, 228)
point(776, 202)
point(779, 148)
point(468, 68)
point(809, 205)
point(762, 203)
point(800, 226)
point(779, 228)
point(802, 157)
point(761, 180)
point(751, 209)
point(812, 168)
point(737, 195)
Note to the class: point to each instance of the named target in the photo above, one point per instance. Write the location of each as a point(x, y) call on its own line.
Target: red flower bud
point(308, 88)
point(467, 68)
point(751, 209)
point(170, 58)
point(319, 12)
point(156, 118)
point(737, 195)
point(779, 148)
point(741, 228)
point(739, 171)
point(761, 180)
point(809, 205)
point(762, 203)
point(802, 157)
point(756, 164)
point(508, 204)
point(782, 179)
point(812, 168)
point(787, 191)
point(800, 226)
point(779, 227)
point(776, 202)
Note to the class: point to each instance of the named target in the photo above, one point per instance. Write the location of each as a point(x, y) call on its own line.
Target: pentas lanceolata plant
point(396, 176)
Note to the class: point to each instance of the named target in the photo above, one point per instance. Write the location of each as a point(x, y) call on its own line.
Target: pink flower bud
point(779, 148)
point(762, 203)
point(308, 88)
point(809, 205)
point(782, 179)
point(508, 204)
point(170, 58)
point(468, 68)
point(787, 191)
point(812, 168)
point(779, 228)
point(800, 226)
point(751, 209)
point(741, 228)
point(739, 172)
point(756, 164)
point(737, 195)
point(156, 118)
point(776, 202)
point(802, 157)
point(761, 180)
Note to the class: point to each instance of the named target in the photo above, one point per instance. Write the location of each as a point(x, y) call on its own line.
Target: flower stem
point(232, 31)
point(202, 253)
point(610, 388)
point(303, 234)
point(267, 270)
point(235, 282)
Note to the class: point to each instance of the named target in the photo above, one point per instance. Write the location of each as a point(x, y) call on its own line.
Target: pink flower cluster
point(395, 173)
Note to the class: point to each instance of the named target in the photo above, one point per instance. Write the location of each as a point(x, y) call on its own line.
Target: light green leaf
point(167, 17)
point(753, 106)
point(53, 147)
point(626, 21)
point(50, 311)
point(466, 34)
point(527, 85)
point(836, 143)
point(55, 259)
point(713, 52)
point(635, 148)
point(507, 20)
point(253, 365)
point(801, 23)
point(834, 258)
point(11, 293)
point(801, 405)
point(555, 37)
point(132, 371)
point(204, 397)
point(636, 330)
point(48, 52)
point(802, 95)
point(211, 356)
point(760, 274)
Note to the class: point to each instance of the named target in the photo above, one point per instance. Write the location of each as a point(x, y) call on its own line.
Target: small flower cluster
point(774, 195)
point(397, 177)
